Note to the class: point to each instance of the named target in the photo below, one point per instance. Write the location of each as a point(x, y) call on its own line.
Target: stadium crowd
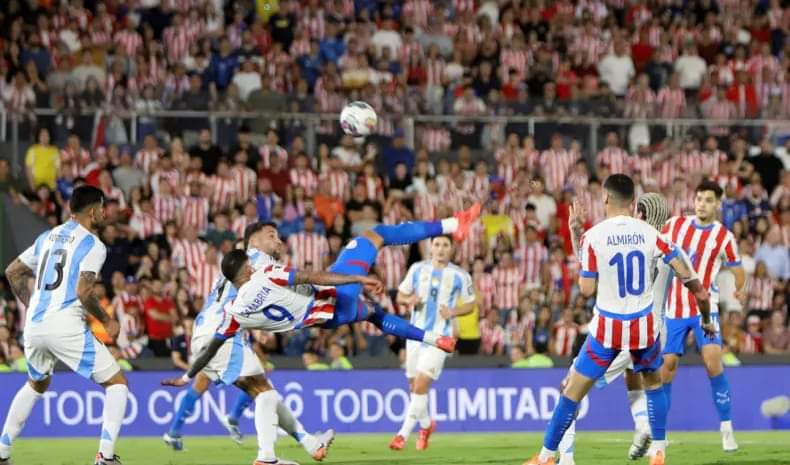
point(182, 194)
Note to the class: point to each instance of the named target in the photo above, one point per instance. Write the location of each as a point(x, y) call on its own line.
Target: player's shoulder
point(458, 270)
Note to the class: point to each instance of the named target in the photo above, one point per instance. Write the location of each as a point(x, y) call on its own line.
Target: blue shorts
point(678, 330)
point(594, 359)
point(356, 258)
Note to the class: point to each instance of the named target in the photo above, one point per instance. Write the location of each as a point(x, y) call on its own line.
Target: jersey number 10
point(627, 283)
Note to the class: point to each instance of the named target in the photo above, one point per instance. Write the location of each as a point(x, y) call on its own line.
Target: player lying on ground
point(653, 209)
point(436, 291)
point(65, 262)
point(617, 257)
point(710, 246)
point(237, 354)
point(267, 300)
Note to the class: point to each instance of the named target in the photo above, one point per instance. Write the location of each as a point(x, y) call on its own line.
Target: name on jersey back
point(256, 303)
point(625, 239)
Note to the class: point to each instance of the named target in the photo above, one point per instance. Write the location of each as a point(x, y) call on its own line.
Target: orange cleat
point(465, 220)
point(536, 461)
point(398, 442)
point(446, 343)
point(657, 459)
point(425, 434)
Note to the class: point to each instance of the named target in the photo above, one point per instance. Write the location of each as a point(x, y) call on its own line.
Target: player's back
point(437, 287)
point(58, 257)
point(622, 252)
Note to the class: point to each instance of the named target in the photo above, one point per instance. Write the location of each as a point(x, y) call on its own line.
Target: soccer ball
point(358, 119)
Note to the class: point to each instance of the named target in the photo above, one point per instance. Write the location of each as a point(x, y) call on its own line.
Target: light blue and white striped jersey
point(223, 292)
point(448, 286)
point(57, 258)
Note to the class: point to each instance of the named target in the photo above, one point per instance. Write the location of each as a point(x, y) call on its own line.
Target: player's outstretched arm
point(18, 275)
point(91, 303)
point(201, 361)
point(327, 278)
point(689, 278)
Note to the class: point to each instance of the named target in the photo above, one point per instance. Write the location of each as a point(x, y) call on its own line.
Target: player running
point(710, 245)
point(266, 300)
point(653, 209)
point(437, 291)
point(65, 262)
point(236, 355)
point(618, 256)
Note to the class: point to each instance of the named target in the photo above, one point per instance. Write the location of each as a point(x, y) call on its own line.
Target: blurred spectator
point(776, 336)
point(617, 69)
point(492, 335)
point(160, 316)
point(774, 254)
point(313, 363)
point(339, 361)
point(42, 161)
point(180, 344)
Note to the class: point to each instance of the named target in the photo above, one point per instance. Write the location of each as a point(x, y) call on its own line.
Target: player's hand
point(372, 285)
point(576, 216)
point(709, 328)
point(112, 327)
point(412, 301)
point(445, 312)
point(741, 297)
point(175, 382)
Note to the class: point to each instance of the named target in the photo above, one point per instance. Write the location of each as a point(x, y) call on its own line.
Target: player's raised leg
point(186, 406)
point(231, 420)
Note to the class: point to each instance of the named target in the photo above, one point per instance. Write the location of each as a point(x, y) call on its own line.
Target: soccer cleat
point(233, 429)
point(640, 445)
point(465, 220)
point(276, 462)
point(102, 460)
point(728, 441)
point(658, 458)
point(567, 459)
point(6, 461)
point(398, 442)
point(325, 440)
point(536, 461)
point(446, 343)
point(425, 435)
point(173, 442)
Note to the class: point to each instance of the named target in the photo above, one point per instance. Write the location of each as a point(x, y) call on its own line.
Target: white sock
point(449, 225)
point(656, 446)
point(20, 409)
point(266, 424)
point(638, 402)
point(726, 426)
point(545, 454)
point(115, 398)
point(421, 406)
point(430, 338)
point(411, 418)
point(567, 441)
point(292, 426)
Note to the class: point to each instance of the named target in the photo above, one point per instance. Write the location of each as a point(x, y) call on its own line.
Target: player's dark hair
point(446, 236)
point(84, 197)
point(254, 228)
point(232, 263)
point(708, 185)
point(621, 187)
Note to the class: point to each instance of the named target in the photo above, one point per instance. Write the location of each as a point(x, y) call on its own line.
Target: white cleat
point(325, 440)
point(278, 462)
point(728, 441)
point(640, 445)
point(566, 459)
point(233, 430)
point(173, 442)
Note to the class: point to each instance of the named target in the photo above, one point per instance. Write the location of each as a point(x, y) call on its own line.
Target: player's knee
point(671, 363)
point(40, 386)
point(633, 381)
point(116, 379)
point(713, 366)
point(422, 383)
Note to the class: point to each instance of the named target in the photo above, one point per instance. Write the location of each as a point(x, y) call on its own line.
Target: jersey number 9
point(277, 313)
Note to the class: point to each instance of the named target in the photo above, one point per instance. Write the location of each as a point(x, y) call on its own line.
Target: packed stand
point(182, 194)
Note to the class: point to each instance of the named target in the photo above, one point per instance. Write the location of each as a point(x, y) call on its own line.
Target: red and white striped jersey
point(425, 206)
point(761, 293)
point(595, 208)
point(420, 10)
point(614, 158)
point(339, 183)
point(308, 250)
point(267, 152)
point(708, 248)
point(240, 224)
point(564, 337)
point(195, 213)
point(306, 179)
point(472, 246)
point(712, 160)
point(166, 208)
point(681, 203)
point(128, 310)
point(223, 193)
point(517, 59)
point(491, 337)
point(145, 225)
point(130, 41)
point(391, 266)
point(689, 161)
point(146, 158)
point(436, 139)
point(486, 286)
point(188, 254)
point(435, 71)
point(245, 181)
point(671, 102)
point(642, 165)
point(204, 275)
point(639, 103)
point(508, 286)
point(172, 176)
point(374, 187)
point(531, 259)
point(621, 253)
point(479, 187)
point(555, 165)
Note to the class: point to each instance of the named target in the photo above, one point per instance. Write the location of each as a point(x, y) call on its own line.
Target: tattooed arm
point(18, 275)
point(91, 303)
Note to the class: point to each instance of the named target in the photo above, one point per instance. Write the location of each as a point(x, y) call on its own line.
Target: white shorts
point(76, 347)
point(425, 359)
point(233, 360)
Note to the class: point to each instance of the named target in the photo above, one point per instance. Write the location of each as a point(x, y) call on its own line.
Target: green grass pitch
point(757, 448)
